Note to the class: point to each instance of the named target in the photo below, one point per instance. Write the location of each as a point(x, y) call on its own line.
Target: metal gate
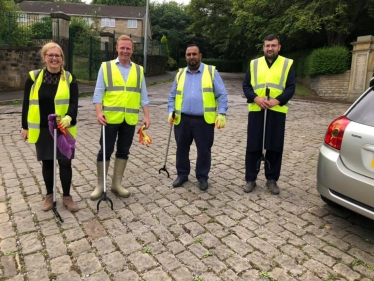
point(86, 55)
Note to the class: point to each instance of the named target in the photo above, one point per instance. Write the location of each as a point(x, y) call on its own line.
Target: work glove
point(171, 120)
point(220, 121)
point(144, 139)
point(65, 122)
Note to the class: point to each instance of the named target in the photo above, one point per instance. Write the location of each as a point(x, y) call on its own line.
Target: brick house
point(121, 19)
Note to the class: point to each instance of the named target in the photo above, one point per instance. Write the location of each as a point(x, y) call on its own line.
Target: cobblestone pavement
point(161, 233)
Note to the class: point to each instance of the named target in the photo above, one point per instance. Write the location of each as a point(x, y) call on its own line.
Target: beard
point(271, 55)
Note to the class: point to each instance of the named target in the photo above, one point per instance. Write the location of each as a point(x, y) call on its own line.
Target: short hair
point(193, 45)
point(272, 37)
point(125, 37)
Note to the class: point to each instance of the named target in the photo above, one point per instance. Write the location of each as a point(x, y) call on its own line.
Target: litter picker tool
point(54, 208)
point(167, 149)
point(263, 158)
point(103, 196)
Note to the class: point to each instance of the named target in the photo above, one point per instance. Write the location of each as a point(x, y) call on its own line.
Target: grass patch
point(303, 91)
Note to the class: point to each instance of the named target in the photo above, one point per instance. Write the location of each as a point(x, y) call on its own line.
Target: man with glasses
point(272, 74)
point(197, 93)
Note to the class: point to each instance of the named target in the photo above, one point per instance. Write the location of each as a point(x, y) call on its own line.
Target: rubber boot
point(96, 194)
point(119, 169)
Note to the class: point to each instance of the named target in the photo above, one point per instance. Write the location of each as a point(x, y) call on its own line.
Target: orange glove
point(144, 139)
point(60, 126)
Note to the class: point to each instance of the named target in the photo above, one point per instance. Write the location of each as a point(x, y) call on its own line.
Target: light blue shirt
point(100, 84)
point(192, 103)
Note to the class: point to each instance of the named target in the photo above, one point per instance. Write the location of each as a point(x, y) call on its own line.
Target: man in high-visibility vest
point(197, 94)
point(274, 74)
point(119, 93)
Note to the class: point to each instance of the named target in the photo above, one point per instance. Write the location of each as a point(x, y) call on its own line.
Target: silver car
point(345, 172)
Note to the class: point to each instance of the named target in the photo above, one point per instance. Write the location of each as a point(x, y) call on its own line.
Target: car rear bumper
point(342, 186)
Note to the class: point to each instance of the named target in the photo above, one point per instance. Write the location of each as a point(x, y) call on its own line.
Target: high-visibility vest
point(62, 100)
point(274, 78)
point(209, 100)
point(121, 100)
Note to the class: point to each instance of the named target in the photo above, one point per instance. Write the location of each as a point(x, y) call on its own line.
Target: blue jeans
point(125, 135)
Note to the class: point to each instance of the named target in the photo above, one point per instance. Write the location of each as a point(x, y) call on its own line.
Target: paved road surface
point(161, 233)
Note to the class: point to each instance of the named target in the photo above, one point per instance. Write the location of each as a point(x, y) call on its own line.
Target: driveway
point(161, 233)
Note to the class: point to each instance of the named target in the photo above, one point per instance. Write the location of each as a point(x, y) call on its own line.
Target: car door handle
point(368, 147)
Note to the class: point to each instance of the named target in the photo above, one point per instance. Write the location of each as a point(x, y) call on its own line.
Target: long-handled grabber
point(167, 148)
point(263, 158)
point(54, 208)
point(103, 196)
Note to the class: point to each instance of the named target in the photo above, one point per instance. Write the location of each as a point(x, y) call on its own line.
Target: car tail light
point(335, 132)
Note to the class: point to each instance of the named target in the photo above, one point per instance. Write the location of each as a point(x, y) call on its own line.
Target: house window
point(89, 21)
point(132, 24)
point(106, 22)
point(21, 18)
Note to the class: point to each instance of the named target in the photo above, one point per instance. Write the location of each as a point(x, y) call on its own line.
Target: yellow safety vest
point(209, 100)
point(273, 78)
point(62, 100)
point(121, 100)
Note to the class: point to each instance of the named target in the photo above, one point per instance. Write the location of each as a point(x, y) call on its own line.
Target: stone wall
point(15, 64)
point(334, 86)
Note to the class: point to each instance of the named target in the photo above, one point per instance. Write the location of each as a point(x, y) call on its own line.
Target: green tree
point(170, 19)
point(214, 20)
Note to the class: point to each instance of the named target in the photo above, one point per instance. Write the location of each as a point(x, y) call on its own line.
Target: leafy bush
point(300, 62)
point(328, 60)
point(171, 64)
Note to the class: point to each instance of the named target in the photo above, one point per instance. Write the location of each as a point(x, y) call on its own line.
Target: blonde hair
point(49, 46)
point(125, 37)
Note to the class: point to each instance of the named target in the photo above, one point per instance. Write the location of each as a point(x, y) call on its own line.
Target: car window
point(363, 111)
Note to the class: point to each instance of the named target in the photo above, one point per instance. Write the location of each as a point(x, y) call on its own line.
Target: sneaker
point(250, 185)
point(272, 186)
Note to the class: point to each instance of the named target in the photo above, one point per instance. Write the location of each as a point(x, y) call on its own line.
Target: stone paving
point(161, 233)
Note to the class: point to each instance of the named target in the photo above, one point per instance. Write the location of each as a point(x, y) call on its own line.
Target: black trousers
point(272, 173)
point(125, 135)
point(194, 128)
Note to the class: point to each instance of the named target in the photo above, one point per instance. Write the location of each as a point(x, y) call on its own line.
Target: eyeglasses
point(53, 55)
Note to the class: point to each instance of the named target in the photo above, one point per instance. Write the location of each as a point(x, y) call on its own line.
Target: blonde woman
point(47, 91)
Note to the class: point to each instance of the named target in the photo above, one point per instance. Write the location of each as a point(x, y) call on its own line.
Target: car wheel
point(329, 202)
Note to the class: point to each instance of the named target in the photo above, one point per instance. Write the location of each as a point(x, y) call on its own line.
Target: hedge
point(329, 60)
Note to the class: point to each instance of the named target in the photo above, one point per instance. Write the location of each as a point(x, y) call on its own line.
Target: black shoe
point(179, 182)
point(250, 185)
point(272, 187)
point(203, 185)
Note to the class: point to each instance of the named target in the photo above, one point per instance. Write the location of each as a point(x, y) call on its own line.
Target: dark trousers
point(194, 128)
point(125, 135)
point(65, 175)
point(274, 158)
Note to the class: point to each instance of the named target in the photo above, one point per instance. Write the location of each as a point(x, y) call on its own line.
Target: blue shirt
point(100, 85)
point(192, 103)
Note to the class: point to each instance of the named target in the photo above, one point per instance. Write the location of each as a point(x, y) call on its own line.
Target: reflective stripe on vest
point(121, 100)
point(62, 99)
point(209, 100)
point(274, 78)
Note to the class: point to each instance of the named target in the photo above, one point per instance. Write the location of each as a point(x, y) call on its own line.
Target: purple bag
point(65, 143)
